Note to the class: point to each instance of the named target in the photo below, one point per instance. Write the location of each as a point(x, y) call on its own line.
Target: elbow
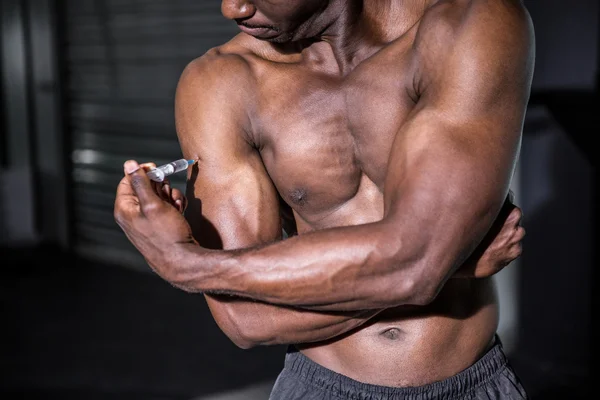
point(250, 335)
point(425, 281)
point(422, 294)
point(242, 330)
point(411, 288)
point(243, 342)
point(246, 337)
point(414, 279)
point(239, 336)
point(238, 333)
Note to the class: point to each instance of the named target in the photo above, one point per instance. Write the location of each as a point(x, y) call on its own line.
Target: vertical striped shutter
point(123, 59)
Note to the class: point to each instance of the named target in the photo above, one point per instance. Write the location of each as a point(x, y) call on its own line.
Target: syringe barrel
point(176, 166)
point(158, 174)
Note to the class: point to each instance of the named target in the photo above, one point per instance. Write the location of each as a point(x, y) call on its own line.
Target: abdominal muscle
point(413, 346)
point(408, 345)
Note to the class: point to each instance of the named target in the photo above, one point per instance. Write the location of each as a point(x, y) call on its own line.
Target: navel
point(392, 334)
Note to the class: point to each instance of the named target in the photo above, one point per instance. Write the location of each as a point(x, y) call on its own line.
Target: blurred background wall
point(88, 84)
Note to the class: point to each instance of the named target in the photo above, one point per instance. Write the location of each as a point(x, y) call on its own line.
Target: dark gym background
point(87, 84)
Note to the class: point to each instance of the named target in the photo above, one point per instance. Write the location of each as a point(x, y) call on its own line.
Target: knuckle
point(515, 215)
point(150, 207)
point(147, 166)
point(137, 181)
point(516, 236)
point(518, 212)
point(517, 250)
point(119, 217)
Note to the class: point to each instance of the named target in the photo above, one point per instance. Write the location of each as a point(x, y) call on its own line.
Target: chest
point(325, 140)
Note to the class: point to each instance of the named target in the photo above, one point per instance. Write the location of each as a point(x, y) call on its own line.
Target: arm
point(233, 203)
point(462, 137)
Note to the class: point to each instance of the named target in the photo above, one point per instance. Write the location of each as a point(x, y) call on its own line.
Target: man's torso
point(324, 139)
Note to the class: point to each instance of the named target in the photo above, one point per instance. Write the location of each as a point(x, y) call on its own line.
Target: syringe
point(158, 174)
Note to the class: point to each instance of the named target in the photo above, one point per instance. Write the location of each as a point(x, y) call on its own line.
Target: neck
point(353, 30)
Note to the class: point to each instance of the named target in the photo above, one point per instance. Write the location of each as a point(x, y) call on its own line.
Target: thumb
point(140, 183)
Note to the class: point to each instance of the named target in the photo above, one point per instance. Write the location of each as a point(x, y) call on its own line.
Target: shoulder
point(448, 21)
point(220, 70)
point(480, 34)
point(214, 95)
point(217, 86)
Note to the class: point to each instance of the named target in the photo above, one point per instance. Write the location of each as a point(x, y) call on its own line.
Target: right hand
point(501, 246)
point(150, 215)
point(166, 192)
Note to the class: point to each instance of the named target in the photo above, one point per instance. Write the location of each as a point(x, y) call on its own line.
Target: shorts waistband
point(344, 387)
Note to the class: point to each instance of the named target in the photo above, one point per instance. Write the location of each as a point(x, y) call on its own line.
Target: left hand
point(501, 246)
point(150, 214)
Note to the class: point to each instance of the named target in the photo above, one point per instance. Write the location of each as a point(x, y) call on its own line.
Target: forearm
point(249, 323)
point(340, 269)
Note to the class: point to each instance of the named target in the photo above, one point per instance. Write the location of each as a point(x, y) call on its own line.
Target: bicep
point(232, 202)
point(234, 209)
point(446, 183)
point(452, 161)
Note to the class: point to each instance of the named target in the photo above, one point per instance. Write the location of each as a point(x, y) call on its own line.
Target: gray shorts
point(490, 378)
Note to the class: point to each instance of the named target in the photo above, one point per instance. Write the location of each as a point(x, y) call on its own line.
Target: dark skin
point(389, 131)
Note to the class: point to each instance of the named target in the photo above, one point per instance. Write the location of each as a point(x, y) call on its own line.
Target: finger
point(148, 166)
point(516, 251)
point(159, 190)
point(515, 244)
point(126, 202)
point(166, 189)
point(124, 188)
point(514, 218)
point(155, 185)
point(140, 183)
point(185, 204)
point(519, 234)
point(179, 199)
point(162, 189)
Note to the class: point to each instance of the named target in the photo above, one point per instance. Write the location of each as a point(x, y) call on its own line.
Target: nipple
point(298, 196)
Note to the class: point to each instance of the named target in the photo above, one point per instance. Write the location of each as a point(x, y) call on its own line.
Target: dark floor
point(77, 329)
